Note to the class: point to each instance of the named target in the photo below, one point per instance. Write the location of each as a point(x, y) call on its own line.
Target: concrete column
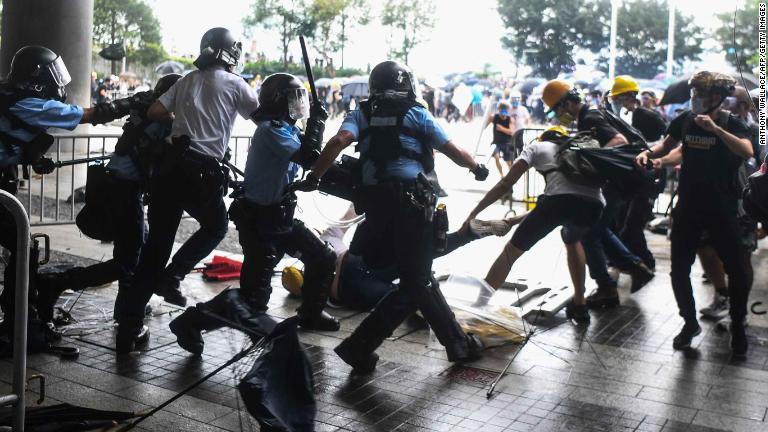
point(64, 26)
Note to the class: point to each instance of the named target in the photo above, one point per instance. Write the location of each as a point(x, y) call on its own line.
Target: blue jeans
point(601, 244)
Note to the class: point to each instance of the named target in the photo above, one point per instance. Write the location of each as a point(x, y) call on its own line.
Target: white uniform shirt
point(541, 156)
point(205, 103)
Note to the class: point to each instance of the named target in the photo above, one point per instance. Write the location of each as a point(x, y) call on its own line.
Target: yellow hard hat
point(554, 91)
point(624, 84)
point(553, 132)
point(293, 280)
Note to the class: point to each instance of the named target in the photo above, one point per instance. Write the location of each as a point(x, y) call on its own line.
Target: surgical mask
point(504, 112)
point(698, 106)
point(515, 104)
point(616, 106)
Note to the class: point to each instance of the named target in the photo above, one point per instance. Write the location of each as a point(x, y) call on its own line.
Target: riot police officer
point(128, 172)
point(32, 99)
point(190, 177)
point(397, 135)
point(263, 215)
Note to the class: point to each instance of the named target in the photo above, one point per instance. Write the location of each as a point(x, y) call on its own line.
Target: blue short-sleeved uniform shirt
point(40, 113)
point(417, 119)
point(269, 169)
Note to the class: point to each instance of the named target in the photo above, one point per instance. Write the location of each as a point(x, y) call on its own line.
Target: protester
point(564, 203)
point(502, 136)
point(714, 145)
point(563, 100)
point(203, 106)
point(639, 207)
point(399, 205)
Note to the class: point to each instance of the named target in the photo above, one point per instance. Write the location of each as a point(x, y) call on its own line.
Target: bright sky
point(466, 35)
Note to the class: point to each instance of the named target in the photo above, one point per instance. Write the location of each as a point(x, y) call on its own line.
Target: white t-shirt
point(520, 116)
point(541, 156)
point(205, 103)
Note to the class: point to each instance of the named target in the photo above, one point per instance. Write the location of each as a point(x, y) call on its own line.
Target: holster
point(265, 220)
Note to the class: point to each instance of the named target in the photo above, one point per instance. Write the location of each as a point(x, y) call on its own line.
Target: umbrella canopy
point(66, 417)
point(323, 82)
point(528, 85)
point(169, 67)
point(679, 91)
point(355, 89)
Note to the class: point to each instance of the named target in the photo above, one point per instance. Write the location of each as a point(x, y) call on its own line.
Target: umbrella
point(528, 85)
point(66, 417)
point(278, 391)
point(355, 88)
point(679, 91)
point(169, 67)
point(323, 82)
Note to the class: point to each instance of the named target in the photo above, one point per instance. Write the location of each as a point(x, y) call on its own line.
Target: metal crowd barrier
point(50, 199)
point(17, 395)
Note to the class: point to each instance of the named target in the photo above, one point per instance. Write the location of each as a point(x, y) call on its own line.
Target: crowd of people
point(174, 149)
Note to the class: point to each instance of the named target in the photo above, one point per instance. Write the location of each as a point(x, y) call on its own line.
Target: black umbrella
point(169, 67)
point(66, 417)
point(528, 85)
point(278, 391)
point(679, 91)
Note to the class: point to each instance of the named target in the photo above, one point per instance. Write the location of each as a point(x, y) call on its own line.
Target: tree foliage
point(290, 17)
point(746, 39)
point(410, 22)
point(545, 34)
point(334, 19)
point(132, 22)
point(642, 38)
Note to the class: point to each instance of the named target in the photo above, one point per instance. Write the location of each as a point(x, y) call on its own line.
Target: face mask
point(616, 106)
point(697, 105)
point(515, 104)
point(504, 112)
point(565, 119)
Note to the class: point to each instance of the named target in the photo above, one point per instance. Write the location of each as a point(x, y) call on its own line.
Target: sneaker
point(641, 275)
point(685, 337)
point(127, 340)
point(739, 345)
point(187, 334)
point(604, 296)
point(577, 313)
point(717, 310)
point(481, 228)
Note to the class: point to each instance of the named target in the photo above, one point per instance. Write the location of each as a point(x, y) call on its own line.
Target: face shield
point(58, 72)
point(298, 103)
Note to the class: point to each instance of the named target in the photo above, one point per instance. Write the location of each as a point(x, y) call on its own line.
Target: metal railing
point(52, 199)
point(17, 395)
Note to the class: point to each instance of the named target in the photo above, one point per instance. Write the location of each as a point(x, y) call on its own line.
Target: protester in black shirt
point(600, 243)
point(502, 136)
point(639, 208)
point(714, 145)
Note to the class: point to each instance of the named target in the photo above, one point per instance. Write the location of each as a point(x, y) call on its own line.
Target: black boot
point(362, 360)
point(641, 275)
point(170, 290)
point(606, 295)
point(683, 339)
point(739, 345)
point(322, 321)
point(465, 351)
point(187, 328)
point(130, 335)
point(50, 286)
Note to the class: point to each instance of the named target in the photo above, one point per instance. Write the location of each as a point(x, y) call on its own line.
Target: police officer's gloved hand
point(313, 133)
point(481, 172)
point(105, 112)
point(309, 184)
point(44, 165)
point(143, 100)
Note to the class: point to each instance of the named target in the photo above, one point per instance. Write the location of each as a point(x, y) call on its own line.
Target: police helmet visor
point(298, 103)
point(58, 71)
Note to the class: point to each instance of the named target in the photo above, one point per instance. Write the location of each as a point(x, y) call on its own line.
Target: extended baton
point(59, 164)
point(308, 68)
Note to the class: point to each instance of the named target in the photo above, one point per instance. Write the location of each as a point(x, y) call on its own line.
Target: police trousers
point(266, 234)
point(396, 231)
point(688, 224)
point(191, 185)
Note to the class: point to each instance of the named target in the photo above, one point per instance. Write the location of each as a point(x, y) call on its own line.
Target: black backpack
point(95, 219)
point(583, 161)
point(633, 136)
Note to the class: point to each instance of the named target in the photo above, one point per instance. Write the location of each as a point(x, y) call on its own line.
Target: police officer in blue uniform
point(396, 137)
point(32, 99)
point(189, 178)
point(128, 172)
point(263, 214)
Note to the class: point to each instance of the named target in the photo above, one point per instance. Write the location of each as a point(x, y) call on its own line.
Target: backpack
point(633, 136)
point(95, 219)
point(755, 196)
point(583, 161)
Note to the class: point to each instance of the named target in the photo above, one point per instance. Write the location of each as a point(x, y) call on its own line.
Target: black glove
point(105, 112)
point(480, 172)
point(142, 101)
point(309, 184)
point(44, 165)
